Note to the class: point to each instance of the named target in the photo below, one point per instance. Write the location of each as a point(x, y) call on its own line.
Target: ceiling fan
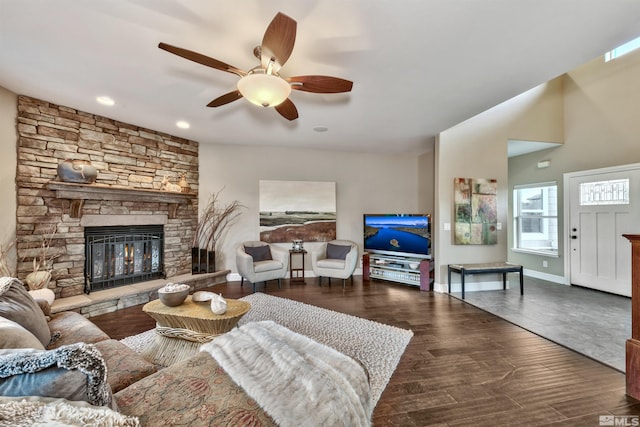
point(263, 85)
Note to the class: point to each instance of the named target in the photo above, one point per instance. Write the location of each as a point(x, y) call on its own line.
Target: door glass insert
point(612, 192)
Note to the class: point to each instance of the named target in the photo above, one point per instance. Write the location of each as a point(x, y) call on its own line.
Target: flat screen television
point(398, 234)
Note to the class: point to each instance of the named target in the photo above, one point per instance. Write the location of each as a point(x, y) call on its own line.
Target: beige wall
point(8, 117)
point(477, 148)
point(601, 130)
point(426, 175)
point(365, 183)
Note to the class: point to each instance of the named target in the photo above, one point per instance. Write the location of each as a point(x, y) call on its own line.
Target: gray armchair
point(337, 259)
point(259, 262)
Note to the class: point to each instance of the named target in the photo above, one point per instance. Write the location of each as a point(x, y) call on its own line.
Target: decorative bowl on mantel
point(172, 295)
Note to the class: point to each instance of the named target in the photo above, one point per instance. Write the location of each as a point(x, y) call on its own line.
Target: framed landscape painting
point(297, 210)
point(476, 212)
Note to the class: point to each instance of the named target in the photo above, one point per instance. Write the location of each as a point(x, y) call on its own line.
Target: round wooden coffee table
point(181, 330)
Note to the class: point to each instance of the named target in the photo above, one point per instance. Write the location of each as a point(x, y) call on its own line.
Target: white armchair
point(259, 262)
point(337, 259)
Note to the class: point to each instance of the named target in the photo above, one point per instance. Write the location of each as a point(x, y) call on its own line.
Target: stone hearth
point(111, 300)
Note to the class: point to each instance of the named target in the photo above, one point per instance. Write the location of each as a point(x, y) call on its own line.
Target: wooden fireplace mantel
point(78, 193)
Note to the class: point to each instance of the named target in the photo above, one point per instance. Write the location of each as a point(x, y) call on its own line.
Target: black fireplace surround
point(122, 255)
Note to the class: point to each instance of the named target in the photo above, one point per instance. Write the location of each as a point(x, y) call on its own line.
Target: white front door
point(603, 206)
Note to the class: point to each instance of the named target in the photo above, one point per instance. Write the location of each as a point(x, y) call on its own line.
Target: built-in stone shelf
point(78, 193)
point(110, 300)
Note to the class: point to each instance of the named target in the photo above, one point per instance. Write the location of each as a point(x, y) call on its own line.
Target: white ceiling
point(517, 147)
point(418, 66)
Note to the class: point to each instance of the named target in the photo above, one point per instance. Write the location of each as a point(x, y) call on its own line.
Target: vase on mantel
point(78, 171)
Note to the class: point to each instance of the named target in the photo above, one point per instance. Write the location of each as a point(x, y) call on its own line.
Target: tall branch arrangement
point(5, 269)
point(43, 259)
point(214, 222)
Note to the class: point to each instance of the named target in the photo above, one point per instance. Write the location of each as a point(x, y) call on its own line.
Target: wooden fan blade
point(287, 110)
point(201, 59)
point(320, 84)
point(225, 99)
point(278, 40)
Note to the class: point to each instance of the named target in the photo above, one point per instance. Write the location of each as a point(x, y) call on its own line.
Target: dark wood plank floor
point(463, 366)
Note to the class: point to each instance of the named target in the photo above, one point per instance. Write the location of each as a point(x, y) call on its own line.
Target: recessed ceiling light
point(320, 128)
point(182, 124)
point(105, 100)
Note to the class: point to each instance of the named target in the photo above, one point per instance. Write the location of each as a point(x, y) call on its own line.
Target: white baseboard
point(440, 287)
point(546, 276)
point(492, 286)
point(472, 286)
point(232, 277)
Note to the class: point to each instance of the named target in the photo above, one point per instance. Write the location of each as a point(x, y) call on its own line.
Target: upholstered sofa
point(62, 365)
point(61, 356)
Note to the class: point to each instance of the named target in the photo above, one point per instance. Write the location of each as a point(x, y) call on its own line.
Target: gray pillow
point(259, 253)
point(12, 335)
point(337, 251)
point(16, 304)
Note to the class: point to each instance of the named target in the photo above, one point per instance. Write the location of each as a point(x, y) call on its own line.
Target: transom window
point(622, 50)
point(612, 192)
point(535, 216)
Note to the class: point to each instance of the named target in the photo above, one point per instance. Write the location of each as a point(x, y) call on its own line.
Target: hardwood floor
point(463, 366)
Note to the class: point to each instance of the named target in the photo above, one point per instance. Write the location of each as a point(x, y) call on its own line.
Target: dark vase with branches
point(212, 225)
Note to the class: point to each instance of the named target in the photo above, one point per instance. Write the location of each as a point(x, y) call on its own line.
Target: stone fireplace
point(131, 164)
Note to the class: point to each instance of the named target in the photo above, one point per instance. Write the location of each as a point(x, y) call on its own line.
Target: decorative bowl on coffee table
point(173, 295)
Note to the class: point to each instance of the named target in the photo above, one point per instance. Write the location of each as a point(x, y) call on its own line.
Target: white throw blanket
point(51, 412)
point(296, 380)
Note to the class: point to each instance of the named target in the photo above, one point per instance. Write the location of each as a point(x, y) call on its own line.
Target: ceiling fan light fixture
point(263, 89)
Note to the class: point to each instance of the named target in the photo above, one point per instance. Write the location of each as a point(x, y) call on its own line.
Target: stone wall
point(124, 155)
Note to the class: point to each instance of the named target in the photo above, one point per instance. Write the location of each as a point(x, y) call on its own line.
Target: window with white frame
point(622, 50)
point(535, 217)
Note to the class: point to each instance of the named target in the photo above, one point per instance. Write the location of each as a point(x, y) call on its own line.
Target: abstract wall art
point(476, 211)
point(297, 210)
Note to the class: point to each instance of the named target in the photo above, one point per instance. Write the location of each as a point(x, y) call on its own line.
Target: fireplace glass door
point(122, 255)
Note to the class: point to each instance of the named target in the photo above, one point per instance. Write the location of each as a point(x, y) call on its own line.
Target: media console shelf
point(409, 270)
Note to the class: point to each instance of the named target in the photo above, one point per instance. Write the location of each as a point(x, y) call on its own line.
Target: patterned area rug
point(377, 346)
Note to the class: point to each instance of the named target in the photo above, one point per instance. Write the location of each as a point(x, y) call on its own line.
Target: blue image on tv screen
point(397, 233)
